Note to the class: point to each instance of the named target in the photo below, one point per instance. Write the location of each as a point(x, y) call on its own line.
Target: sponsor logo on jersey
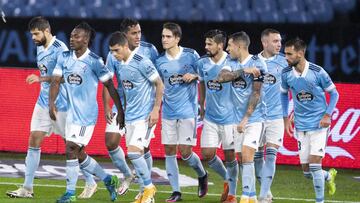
point(127, 85)
point(176, 79)
point(214, 86)
point(303, 96)
point(239, 83)
point(74, 79)
point(269, 79)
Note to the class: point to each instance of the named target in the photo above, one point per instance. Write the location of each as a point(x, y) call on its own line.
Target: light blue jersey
point(137, 75)
point(242, 89)
point(145, 49)
point(81, 77)
point(272, 84)
point(46, 61)
point(308, 91)
point(180, 98)
point(218, 100)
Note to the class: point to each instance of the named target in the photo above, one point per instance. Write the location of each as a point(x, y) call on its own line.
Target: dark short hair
point(127, 23)
point(88, 30)
point(218, 36)
point(240, 37)
point(299, 44)
point(118, 38)
point(174, 28)
point(269, 31)
point(39, 23)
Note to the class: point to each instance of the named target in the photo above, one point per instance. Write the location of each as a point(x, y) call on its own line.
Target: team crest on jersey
point(303, 96)
point(43, 69)
point(239, 83)
point(176, 79)
point(127, 85)
point(74, 79)
point(186, 68)
point(269, 79)
point(214, 86)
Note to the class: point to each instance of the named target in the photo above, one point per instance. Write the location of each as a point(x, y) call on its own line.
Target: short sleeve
point(325, 81)
point(101, 71)
point(199, 67)
point(58, 70)
point(284, 88)
point(148, 69)
point(110, 63)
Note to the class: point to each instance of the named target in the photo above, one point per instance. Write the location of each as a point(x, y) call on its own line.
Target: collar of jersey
point(170, 58)
point(246, 60)
point(303, 74)
point(129, 58)
point(82, 56)
point(222, 59)
point(266, 59)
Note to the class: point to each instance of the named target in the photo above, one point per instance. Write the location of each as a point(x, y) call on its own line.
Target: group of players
point(243, 103)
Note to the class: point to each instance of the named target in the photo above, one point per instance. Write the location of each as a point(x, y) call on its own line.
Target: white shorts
point(311, 143)
point(113, 127)
point(251, 136)
point(179, 131)
point(138, 134)
point(273, 132)
point(41, 121)
point(213, 135)
point(78, 134)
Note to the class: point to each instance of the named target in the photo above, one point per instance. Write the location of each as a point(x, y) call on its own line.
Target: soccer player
point(308, 83)
point(48, 50)
point(82, 70)
point(219, 116)
point(132, 31)
point(274, 124)
point(143, 91)
point(244, 72)
point(177, 69)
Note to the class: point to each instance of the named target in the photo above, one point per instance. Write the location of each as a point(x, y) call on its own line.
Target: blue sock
point(268, 171)
point(118, 158)
point(72, 174)
point(140, 167)
point(32, 162)
point(89, 178)
point(248, 179)
point(149, 160)
point(217, 165)
point(172, 171)
point(194, 161)
point(259, 164)
point(91, 166)
point(318, 181)
point(233, 173)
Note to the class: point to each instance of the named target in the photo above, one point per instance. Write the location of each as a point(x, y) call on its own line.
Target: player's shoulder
point(203, 58)
point(286, 70)
point(255, 57)
point(94, 56)
point(189, 50)
point(65, 53)
point(160, 57)
point(138, 58)
point(146, 44)
point(315, 67)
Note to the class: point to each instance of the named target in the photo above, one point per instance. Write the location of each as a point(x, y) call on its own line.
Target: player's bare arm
point(54, 91)
point(254, 100)
point(107, 108)
point(154, 114)
point(116, 98)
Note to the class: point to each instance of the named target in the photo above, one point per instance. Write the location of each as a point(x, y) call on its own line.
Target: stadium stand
point(265, 11)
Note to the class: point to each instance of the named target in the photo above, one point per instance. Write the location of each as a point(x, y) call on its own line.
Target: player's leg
point(187, 133)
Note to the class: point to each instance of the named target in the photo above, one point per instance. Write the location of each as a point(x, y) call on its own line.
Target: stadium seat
point(300, 17)
point(322, 11)
point(231, 5)
point(247, 16)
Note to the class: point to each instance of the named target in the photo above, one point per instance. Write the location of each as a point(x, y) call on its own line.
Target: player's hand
point(120, 119)
point(288, 126)
point(188, 77)
point(325, 121)
point(154, 117)
point(30, 79)
point(202, 113)
point(52, 112)
point(242, 125)
point(253, 71)
point(109, 116)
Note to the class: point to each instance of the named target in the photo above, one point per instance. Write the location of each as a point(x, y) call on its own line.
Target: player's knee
point(111, 145)
point(207, 155)
point(72, 150)
point(185, 151)
point(36, 139)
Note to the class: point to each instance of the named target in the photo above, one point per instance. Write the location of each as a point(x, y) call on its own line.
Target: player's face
point(211, 47)
point(133, 36)
point(293, 57)
point(78, 39)
point(272, 43)
point(233, 49)
point(118, 52)
point(38, 37)
point(168, 39)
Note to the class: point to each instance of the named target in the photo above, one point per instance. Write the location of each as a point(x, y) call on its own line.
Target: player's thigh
point(113, 127)
point(210, 135)
point(40, 120)
point(274, 132)
point(303, 146)
point(169, 132)
point(138, 134)
point(318, 140)
point(238, 139)
point(252, 134)
point(227, 136)
point(80, 135)
point(60, 123)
